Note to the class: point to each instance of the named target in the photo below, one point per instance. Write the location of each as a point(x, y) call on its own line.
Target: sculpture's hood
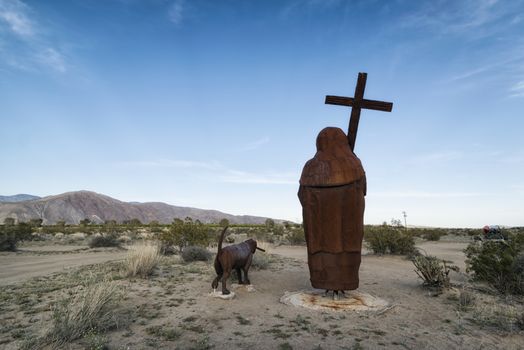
point(334, 163)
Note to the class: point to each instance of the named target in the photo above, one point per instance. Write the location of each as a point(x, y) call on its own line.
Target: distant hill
point(72, 207)
point(18, 198)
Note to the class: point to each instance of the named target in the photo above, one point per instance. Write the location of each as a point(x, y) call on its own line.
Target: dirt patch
point(24, 265)
point(172, 309)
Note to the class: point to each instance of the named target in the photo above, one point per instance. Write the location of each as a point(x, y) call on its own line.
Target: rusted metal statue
point(332, 190)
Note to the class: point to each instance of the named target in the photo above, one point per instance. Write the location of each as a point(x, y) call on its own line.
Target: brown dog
point(237, 257)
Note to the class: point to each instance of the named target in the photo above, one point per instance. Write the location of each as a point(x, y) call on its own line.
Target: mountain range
point(18, 198)
point(72, 207)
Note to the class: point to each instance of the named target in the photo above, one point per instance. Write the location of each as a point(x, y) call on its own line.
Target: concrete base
point(352, 301)
point(217, 293)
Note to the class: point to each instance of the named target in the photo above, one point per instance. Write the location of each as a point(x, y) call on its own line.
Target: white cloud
point(176, 11)
point(451, 16)
point(14, 14)
point(26, 47)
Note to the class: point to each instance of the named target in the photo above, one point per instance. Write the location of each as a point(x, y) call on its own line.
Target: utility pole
point(405, 220)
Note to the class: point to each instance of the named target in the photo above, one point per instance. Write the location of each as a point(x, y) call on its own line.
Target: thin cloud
point(26, 47)
point(169, 163)
point(242, 177)
point(14, 14)
point(422, 195)
point(217, 171)
point(517, 90)
point(256, 144)
point(176, 11)
point(52, 58)
point(447, 17)
point(438, 157)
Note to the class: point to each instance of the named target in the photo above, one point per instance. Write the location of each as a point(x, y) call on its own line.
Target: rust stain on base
point(353, 301)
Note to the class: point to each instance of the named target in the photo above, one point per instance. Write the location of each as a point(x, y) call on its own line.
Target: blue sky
point(217, 104)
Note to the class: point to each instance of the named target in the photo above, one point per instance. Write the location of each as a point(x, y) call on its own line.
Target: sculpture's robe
point(332, 190)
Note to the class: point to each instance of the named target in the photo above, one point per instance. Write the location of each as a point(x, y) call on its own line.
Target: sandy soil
point(176, 298)
point(23, 265)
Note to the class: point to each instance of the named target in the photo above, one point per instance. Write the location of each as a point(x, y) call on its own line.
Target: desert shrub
point(432, 235)
point(386, 239)
point(11, 234)
point(89, 308)
point(109, 240)
point(186, 233)
point(195, 253)
point(433, 271)
point(261, 261)
point(296, 236)
point(498, 263)
point(142, 259)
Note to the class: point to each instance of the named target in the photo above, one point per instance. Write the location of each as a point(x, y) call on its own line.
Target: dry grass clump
point(90, 308)
point(142, 259)
point(498, 316)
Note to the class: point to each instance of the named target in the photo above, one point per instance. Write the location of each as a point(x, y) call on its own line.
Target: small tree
point(154, 226)
point(224, 223)
point(9, 221)
point(270, 223)
point(36, 222)
point(10, 235)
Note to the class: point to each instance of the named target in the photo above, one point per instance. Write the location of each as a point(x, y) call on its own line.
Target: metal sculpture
point(332, 191)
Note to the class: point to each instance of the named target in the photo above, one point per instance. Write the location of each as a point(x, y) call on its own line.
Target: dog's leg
point(214, 285)
point(219, 271)
point(239, 274)
point(225, 276)
point(246, 269)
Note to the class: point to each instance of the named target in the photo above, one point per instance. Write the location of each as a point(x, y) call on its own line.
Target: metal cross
point(357, 103)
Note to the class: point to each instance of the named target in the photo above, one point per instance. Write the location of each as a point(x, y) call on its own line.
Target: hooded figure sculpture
point(332, 190)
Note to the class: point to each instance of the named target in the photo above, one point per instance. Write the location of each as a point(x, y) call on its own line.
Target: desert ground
point(172, 308)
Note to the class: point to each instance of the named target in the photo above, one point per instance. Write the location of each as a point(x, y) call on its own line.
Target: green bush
point(432, 235)
point(195, 253)
point(498, 263)
point(186, 233)
point(104, 241)
point(11, 234)
point(386, 239)
point(296, 236)
point(433, 271)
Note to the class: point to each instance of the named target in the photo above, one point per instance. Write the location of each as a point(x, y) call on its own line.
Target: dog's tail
point(221, 239)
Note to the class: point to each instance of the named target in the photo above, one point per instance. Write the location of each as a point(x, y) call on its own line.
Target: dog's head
point(252, 245)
